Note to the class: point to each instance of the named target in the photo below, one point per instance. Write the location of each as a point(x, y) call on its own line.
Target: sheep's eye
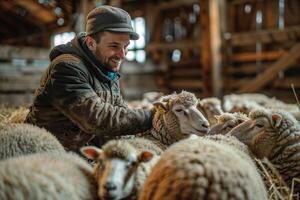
point(179, 110)
point(130, 164)
point(259, 125)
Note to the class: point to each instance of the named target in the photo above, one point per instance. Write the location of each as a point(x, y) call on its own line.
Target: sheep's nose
point(205, 125)
point(109, 186)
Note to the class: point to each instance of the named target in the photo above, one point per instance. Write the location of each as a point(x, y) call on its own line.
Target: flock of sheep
point(196, 149)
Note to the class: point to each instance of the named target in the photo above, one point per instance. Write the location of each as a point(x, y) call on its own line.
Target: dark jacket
point(76, 100)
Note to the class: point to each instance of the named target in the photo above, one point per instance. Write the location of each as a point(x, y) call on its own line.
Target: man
point(79, 96)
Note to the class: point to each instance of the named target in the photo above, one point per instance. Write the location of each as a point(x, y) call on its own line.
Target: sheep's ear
point(91, 152)
point(145, 156)
point(276, 120)
point(159, 105)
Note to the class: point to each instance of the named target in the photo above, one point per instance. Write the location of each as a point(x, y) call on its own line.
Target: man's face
point(112, 49)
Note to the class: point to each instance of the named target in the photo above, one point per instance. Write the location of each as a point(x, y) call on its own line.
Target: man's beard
point(105, 61)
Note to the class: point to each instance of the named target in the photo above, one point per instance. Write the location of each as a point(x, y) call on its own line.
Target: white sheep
point(276, 136)
point(176, 118)
point(226, 122)
point(53, 176)
point(210, 107)
point(204, 168)
point(252, 101)
point(22, 139)
point(122, 166)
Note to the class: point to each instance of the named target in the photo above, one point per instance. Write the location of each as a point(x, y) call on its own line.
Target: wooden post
point(205, 47)
point(212, 24)
point(217, 26)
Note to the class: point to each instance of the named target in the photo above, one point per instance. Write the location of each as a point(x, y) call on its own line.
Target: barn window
point(62, 38)
point(136, 49)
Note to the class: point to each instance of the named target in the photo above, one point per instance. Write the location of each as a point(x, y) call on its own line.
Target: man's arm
point(75, 98)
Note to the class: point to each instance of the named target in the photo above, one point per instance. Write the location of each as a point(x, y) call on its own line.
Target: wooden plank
point(9, 52)
point(264, 36)
point(176, 4)
point(182, 44)
point(287, 82)
point(269, 74)
point(246, 69)
point(185, 84)
point(251, 57)
point(19, 83)
point(233, 84)
point(186, 72)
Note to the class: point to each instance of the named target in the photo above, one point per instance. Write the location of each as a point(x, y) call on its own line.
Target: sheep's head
point(210, 107)
point(115, 168)
point(226, 122)
point(181, 116)
point(266, 131)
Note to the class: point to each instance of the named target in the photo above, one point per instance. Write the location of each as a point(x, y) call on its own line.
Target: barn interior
point(211, 48)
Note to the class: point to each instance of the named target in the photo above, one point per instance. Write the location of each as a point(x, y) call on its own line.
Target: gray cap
point(108, 18)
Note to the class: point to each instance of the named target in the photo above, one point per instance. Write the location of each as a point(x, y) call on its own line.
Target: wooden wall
point(262, 48)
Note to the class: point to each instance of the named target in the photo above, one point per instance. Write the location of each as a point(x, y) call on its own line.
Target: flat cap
point(109, 18)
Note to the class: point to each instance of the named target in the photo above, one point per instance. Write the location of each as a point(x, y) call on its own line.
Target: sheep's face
point(114, 171)
point(210, 109)
point(225, 124)
point(258, 134)
point(190, 119)
point(116, 178)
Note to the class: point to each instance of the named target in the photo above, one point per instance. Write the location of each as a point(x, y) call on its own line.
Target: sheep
point(226, 122)
point(247, 102)
point(56, 176)
point(210, 107)
point(147, 101)
point(22, 139)
point(204, 168)
point(240, 105)
point(176, 117)
point(276, 136)
point(122, 166)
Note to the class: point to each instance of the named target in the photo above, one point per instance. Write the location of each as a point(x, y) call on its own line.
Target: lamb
point(205, 168)
point(122, 166)
point(276, 136)
point(47, 175)
point(22, 139)
point(210, 107)
point(176, 117)
point(226, 122)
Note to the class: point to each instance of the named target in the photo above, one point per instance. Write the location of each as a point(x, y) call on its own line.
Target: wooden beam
point(252, 57)
point(186, 84)
point(8, 52)
point(286, 82)
point(183, 44)
point(176, 4)
point(246, 69)
point(36, 10)
point(264, 36)
point(269, 74)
